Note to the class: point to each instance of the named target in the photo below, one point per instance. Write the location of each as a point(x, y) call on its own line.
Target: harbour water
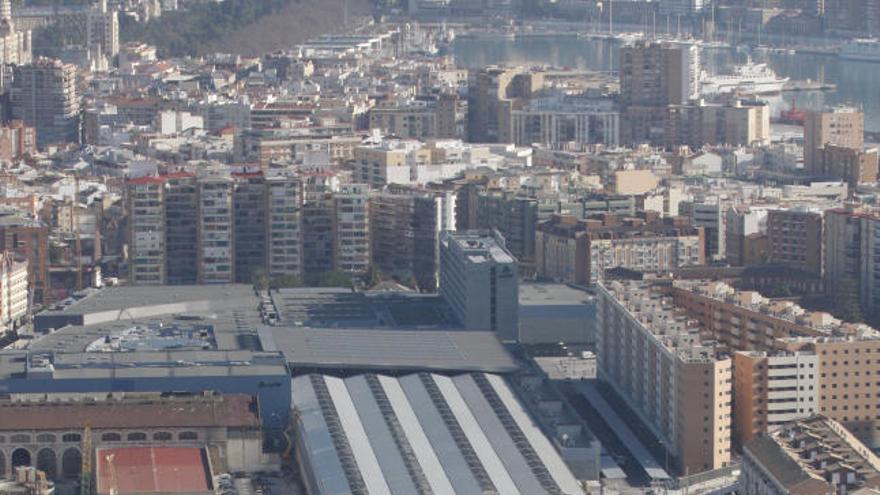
point(858, 83)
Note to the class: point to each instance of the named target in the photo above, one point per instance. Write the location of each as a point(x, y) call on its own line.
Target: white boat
point(750, 78)
point(864, 50)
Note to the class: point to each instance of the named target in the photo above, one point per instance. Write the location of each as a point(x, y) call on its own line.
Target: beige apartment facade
point(842, 126)
point(771, 389)
point(677, 383)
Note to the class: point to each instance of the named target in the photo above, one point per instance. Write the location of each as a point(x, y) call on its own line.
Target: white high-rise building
point(13, 291)
point(15, 45)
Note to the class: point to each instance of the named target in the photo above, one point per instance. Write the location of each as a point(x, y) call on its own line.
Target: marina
point(817, 76)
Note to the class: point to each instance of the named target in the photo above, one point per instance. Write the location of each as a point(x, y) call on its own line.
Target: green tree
point(285, 282)
point(780, 290)
point(845, 301)
point(260, 279)
point(334, 278)
point(191, 32)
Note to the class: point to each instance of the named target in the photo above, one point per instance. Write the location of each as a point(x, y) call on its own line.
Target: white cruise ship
point(749, 78)
point(865, 50)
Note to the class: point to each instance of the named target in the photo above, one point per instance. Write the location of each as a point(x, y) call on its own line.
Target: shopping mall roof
point(379, 349)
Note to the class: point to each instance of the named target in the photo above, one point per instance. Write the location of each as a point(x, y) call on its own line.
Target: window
point(188, 435)
point(111, 437)
point(162, 436)
point(71, 437)
point(20, 439)
point(136, 437)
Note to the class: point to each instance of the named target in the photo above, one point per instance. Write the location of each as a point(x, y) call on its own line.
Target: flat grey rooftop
point(548, 294)
point(120, 298)
point(378, 349)
point(237, 304)
point(12, 364)
point(342, 308)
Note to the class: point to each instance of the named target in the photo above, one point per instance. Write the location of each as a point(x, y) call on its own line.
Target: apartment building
point(493, 94)
point(711, 215)
point(17, 141)
point(28, 238)
point(388, 163)
point(352, 228)
point(563, 121)
point(746, 320)
point(561, 250)
point(181, 234)
point(738, 123)
point(406, 225)
point(407, 122)
point(15, 43)
point(846, 370)
point(796, 239)
point(480, 281)
point(44, 96)
point(146, 240)
point(659, 74)
point(675, 380)
point(284, 195)
point(652, 247)
point(216, 261)
point(250, 222)
point(772, 389)
point(841, 126)
point(318, 225)
point(514, 216)
point(653, 76)
point(417, 119)
point(854, 166)
point(852, 251)
point(743, 222)
point(814, 455)
point(14, 295)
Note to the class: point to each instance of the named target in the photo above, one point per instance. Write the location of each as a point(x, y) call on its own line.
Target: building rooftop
point(124, 298)
point(342, 308)
point(550, 294)
point(480, 247)
point(814, 323)
point(424, 432)
point(808, 452)
point(668, 324)
point(379, 349)
point(239, 411)
point(166, 470)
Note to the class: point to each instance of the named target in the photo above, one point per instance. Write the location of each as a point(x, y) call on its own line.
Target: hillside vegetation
point(193, 32)
point(295, 23)
point(247, 27)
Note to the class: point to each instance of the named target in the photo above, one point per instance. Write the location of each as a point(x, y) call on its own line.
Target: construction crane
point(85, 477)
point(78, 237)
point(114, 482)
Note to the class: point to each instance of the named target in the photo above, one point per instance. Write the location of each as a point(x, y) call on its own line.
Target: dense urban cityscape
point(439, 247)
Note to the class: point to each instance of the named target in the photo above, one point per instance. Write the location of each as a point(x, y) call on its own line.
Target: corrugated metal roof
point(381, 440)
point(324, 461)
point(421, 445)
point(363, 452)
point(477, 437)
point(427, 433)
